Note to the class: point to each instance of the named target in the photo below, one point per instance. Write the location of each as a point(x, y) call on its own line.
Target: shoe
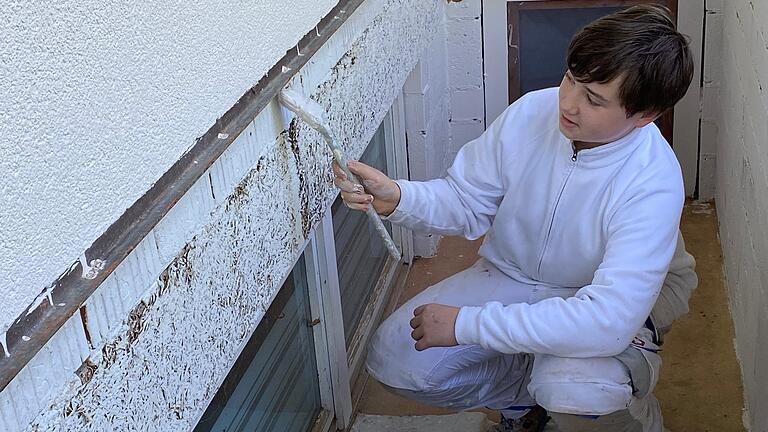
point(533, 421)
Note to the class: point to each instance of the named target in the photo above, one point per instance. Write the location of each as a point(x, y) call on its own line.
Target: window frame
point(338, 366)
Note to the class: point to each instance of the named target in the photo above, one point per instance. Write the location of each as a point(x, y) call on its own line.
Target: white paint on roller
point(312, 113)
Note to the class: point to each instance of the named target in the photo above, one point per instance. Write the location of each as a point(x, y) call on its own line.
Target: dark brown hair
point(640, 45)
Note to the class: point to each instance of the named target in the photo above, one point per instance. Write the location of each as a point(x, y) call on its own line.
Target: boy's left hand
point(434, 326)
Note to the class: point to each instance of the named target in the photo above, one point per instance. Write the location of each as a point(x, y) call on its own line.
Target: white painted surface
point(157, 365)
point(98, 100)
point(427, 125)
point(710, 100)
point(444, 100)
point(322, 251)
point(465, 74)
point(495, 58)
point(739, 113)
point(397, 163)
point(688, 111)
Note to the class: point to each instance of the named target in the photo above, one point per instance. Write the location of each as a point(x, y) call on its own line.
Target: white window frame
point(337, 366)
point(330, 346)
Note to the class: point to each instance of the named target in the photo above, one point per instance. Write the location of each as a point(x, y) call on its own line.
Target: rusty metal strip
point(114, 245)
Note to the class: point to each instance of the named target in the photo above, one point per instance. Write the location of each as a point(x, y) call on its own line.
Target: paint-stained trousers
point(581, 394)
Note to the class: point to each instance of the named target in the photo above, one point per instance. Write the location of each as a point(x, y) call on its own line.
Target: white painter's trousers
point(590, 394)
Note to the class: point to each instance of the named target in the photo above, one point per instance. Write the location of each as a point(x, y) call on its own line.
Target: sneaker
point(534, 421)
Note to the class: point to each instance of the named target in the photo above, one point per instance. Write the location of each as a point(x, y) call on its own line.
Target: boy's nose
point(567, 104)
point(569, 109)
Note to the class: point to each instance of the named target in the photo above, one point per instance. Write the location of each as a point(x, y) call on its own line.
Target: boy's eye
point(592, 101)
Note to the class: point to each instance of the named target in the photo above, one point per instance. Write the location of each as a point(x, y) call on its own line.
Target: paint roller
point(314, 115)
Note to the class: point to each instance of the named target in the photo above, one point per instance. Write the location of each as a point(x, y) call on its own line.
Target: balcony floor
point(700, 387)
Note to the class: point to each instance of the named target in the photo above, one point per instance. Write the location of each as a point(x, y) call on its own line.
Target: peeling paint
point(91, 63)
point(86, 371)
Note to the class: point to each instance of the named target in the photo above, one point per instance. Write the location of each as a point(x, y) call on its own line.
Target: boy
point(579, 198)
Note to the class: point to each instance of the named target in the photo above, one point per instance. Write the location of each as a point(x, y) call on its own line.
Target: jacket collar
point(607, 154)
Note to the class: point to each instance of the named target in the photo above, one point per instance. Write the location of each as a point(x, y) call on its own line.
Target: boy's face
point(592, 113)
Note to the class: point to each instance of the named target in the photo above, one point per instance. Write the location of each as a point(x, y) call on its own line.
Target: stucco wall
point(98, 100)
point(736, 109)
point(162, 337)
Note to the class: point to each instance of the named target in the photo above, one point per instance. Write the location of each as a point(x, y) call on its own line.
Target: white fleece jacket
point(603, 220)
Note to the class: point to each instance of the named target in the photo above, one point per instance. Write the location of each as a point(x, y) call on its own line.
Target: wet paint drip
point(46, 294)
point(90, 271)
point(4, 343)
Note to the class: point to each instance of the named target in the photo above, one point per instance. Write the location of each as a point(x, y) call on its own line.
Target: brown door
point(539, 33)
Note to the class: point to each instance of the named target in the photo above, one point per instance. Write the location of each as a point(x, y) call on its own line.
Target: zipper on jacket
point(574, 159)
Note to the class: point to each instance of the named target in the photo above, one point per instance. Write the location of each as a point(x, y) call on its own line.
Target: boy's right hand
point(376, 188)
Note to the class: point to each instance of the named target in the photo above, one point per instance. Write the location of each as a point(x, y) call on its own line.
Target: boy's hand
point(434, 326)
point(377, 188)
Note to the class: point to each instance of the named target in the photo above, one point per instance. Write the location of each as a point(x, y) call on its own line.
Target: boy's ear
point(644, 119)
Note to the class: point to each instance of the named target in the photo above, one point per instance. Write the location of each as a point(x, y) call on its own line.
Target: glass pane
point(273, 386)
point(360, 252)
point(544, 38)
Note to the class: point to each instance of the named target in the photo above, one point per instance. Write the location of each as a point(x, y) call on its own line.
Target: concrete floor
point(700, 386)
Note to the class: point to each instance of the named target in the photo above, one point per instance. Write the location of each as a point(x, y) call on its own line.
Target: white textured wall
point(740, 118)
point(99, 99)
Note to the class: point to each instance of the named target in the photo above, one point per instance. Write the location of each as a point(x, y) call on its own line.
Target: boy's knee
point(589, 386)
point(384, 346)
point(391, 357)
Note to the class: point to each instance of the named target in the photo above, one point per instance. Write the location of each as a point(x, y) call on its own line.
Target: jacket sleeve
point(465, 202)
point(602, 318)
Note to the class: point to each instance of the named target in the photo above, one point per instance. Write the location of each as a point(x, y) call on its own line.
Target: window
point(360, 252)
point(274, 384)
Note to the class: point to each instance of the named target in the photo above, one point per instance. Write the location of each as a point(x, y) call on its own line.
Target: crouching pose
point(582, 268)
